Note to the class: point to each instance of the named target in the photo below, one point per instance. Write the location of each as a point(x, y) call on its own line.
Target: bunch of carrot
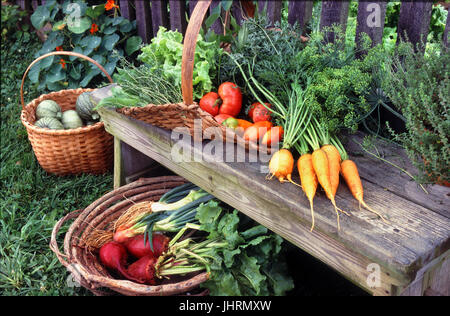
point(328, 159)
point(327, 162)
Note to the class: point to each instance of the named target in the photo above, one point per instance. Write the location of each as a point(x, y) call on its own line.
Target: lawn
point(31, 201)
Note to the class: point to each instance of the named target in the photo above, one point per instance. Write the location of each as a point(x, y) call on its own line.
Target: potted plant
point(418, 84)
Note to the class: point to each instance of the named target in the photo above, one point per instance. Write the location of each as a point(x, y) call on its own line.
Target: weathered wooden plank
point(34, 4)
point(370, 20)
point(217, 26)
point(300, 12)
point(414, 236)
point(192, 4)
point(143, 20)
point(274, 10)
point(447, 28)
point(160, 16)
point(133, 161)
point(431, 280)
point(118, 180)
point(127, 9)
point(24, 5)
point(333, 12)
point(414, 22)
point(178, 16)
point(394, 179)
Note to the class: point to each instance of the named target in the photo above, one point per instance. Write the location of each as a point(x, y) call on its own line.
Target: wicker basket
point(87, 149)
point(101, 214)
point(184, 114)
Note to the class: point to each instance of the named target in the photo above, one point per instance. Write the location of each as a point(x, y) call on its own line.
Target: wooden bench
point(408, 256)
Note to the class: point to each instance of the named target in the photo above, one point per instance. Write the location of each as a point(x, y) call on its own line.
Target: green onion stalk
point(163, 221)
point(187, 255)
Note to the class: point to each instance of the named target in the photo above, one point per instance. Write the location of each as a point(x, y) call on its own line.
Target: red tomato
point(210, 103)
point(221, 117)
point(261, 113)
point(231, 96)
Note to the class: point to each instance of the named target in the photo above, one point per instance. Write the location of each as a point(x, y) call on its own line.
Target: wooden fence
point(414, 18)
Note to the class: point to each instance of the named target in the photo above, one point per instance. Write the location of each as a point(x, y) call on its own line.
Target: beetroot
point(139, 247)
point(113, 256)
point(143, 270)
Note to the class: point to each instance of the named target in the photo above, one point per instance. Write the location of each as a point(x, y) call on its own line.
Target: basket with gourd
point(64, 130)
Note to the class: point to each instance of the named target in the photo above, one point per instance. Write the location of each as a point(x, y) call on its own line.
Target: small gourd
point(85, 107)
point(48, 108)
point(70, 119)
point(49, 122)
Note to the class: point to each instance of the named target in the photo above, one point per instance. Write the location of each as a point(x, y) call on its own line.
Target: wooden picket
point(413, 24)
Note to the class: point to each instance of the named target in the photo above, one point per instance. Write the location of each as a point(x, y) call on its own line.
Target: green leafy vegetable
point(165, 53)
point(251, 264)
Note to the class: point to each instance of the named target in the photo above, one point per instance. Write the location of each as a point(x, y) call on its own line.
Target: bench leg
point(130, 164)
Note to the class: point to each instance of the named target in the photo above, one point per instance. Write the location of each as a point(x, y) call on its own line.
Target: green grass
point(32, 201)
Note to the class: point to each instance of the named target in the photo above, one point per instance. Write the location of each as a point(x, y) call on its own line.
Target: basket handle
point(54, 244)
point(190, 41)
point(59, 53)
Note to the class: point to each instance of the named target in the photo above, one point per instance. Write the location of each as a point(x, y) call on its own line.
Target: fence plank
point(178, 15)
point(24, 5)
point(370, 20)
point(217, 26)
point(236, 12)
point(447, 27)
point(414, 21)
point(333, 12)
point(143, 20)
point(127, 9)
point(274, 10)
point(300, 12)
point(34, 4)
point(192, 4)
point(159, 15)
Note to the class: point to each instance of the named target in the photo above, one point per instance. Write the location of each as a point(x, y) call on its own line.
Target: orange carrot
point(350, 174)
point(308, 180)
point(281, 165)
point(334, 163)
point(322, 170)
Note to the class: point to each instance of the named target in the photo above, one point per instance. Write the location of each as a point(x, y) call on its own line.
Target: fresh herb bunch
point(165, 53)
point(140, 86)
point(252, 263)
point(269, 49)
point(94, 31)
point(419, 86)
point(343, 90)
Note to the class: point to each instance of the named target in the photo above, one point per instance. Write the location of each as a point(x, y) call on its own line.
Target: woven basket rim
point(74, 131)
point(70, 258)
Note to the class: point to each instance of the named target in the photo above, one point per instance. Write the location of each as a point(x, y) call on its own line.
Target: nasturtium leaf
point(40, 16)
point(88, 77)
point(91, 41)
point(125, 26)
point(110, 41)
point(96, 11)
point(132, 45)
point(79, 25)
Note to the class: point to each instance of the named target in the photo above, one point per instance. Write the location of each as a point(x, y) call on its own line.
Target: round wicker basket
point(87, 149)
point(83, 263)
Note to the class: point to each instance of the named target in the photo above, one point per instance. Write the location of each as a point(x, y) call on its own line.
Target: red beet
point(143, 270)
point(113, 256)
point(139, 247)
